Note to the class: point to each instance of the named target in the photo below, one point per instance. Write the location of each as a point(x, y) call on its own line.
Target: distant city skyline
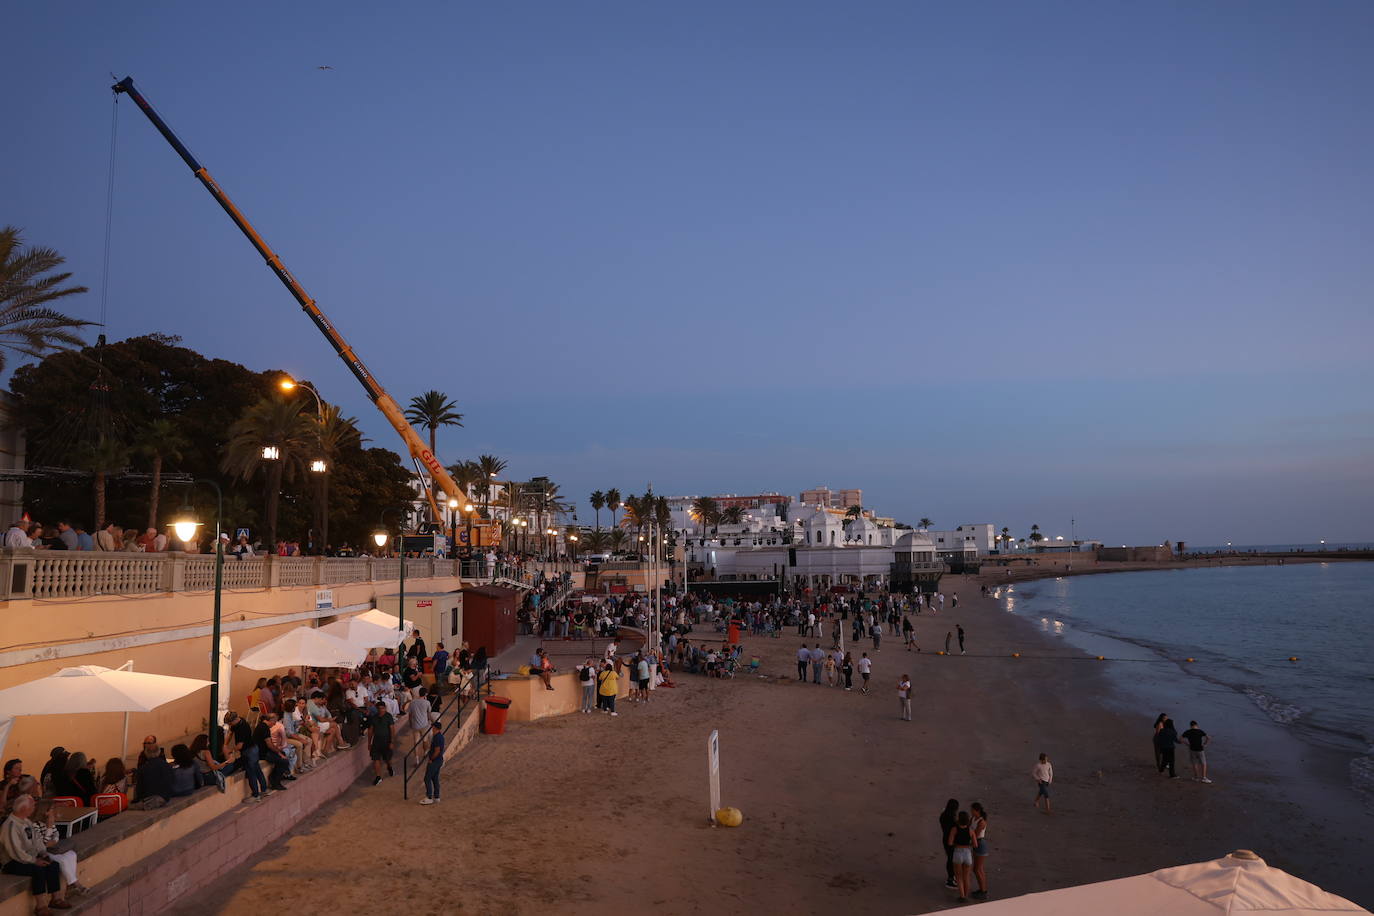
point(1006, 263)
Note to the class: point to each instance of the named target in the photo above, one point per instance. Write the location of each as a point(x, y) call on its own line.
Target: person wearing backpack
point(586, 676)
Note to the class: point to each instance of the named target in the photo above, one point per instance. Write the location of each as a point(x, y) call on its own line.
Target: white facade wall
point(981, 537)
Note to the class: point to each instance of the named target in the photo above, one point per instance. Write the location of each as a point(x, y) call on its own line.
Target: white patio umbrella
point(1238, 883)
point(92, 688)
point(303, 646)
point(371, 629)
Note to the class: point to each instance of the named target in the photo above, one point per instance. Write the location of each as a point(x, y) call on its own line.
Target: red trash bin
point(734, 632)
point(494, 715)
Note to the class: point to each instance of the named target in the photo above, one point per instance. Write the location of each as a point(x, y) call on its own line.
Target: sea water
point(1241, 625)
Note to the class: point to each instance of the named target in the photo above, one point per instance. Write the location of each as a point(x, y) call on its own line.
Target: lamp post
point(381, 537)
point(319, 465)
point(185, 528)
point(453, 525)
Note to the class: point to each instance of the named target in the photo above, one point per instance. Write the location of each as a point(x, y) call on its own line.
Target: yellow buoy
point(729, 817)
point(1016, 655)
point(1292, 658)
point(941, 652)
point(1101, 657)
point(1187, 659)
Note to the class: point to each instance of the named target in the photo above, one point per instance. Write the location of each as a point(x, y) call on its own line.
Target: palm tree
point(432, 410)
point(490, 468)
point(468, 476)
point(101, 457)
point(663, 513)
point(333, 432)
point(1006, 536)
point(598, 501)
point(27, 324)
point(596, 541)
point(1035, 534)
point(161, 441)
point(707, 512)
point(617, 539)
point(613, 502)
point(926, 523)
point(734, 515)
point(854, 511)
point(270, 423)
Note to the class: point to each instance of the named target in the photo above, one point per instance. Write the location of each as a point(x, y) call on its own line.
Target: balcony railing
point(65, 574)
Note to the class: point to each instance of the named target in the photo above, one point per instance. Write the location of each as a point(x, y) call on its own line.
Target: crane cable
point(109, 213)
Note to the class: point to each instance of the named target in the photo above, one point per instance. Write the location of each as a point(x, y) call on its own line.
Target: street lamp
point(381, 537)
point(453, 525)
point(185, 528)
point(271, 453)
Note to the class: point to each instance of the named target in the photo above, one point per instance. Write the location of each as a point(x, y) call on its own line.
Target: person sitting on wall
point(184, 777)
point(154, 779)
point(542, 666)
point(26, 854)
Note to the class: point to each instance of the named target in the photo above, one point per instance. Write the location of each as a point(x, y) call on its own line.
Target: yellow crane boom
point(419, 451)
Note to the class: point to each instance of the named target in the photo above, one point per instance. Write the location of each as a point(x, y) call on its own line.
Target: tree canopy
point(113, 397)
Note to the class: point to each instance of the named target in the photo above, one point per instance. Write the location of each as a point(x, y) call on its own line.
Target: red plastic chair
point(108, 804)
point(70, 801)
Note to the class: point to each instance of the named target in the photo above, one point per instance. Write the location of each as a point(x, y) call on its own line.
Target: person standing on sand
point(607, 685)
point(980, 849)
point(947, 821)
point(908, 632)
point(817, 658)
point(876, 631)
point(961, 839)
point(865, 669)
point(1165, 739)
point(948, 637)
point(904, 696)
point(940, 597)
point(830, 673)
point(1197, 755)
point(954, 602)
point(1154, 738)
point(960, 628)
point(1043, 774)
point(848, 668)
point(803, 656)
point(586, 676)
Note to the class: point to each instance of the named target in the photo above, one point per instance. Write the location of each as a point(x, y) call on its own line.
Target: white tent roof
point(91, 688)
point(303, 646)
point(1238, 883)
point(371, 629)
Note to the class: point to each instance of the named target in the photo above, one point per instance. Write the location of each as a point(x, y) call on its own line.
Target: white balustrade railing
point(68, 574)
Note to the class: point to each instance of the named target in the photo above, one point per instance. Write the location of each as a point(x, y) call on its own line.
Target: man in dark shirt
point(432, 767)
point(248, 757)
point(1197, 756)
point(410, 678)
point(262, 739)
point(155, 778)
point(379, 725)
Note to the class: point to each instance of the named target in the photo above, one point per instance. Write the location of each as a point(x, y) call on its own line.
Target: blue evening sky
point(991, 262)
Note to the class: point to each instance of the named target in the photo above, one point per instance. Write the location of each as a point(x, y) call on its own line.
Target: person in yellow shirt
point(607, 685)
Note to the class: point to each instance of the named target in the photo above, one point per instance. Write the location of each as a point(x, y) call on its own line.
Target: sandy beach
point(840, 798)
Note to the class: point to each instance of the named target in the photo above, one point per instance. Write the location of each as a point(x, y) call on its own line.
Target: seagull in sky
point(324, 68)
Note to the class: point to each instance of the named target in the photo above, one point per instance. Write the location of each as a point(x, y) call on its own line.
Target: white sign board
point(713, 764)
point(324, 598)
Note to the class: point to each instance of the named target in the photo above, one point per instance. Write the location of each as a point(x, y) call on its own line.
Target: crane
point(419, 451)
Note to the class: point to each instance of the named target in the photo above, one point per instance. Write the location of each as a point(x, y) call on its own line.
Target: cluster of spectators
point(30, 843)
point(65, 536)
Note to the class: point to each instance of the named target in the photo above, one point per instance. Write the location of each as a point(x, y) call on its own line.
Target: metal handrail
point(457, 703)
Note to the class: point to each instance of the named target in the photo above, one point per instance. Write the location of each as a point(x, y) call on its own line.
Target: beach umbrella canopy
point(370, 630)
point(303, 646)
point(91, 688)
point(1238, 883)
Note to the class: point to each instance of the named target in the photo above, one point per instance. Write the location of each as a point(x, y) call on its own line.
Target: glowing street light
point(271, 453)
point(319, 466)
